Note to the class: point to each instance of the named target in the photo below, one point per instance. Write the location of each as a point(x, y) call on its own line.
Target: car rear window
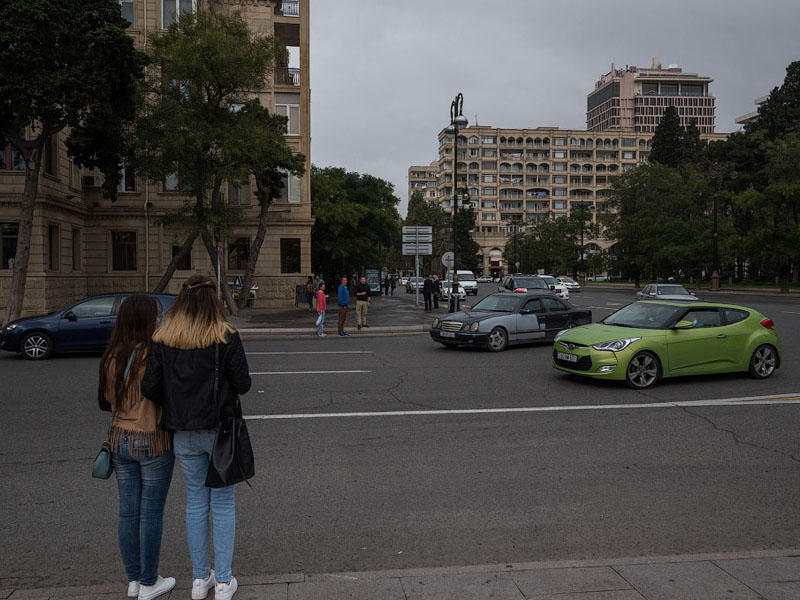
point(531, 283)
point(734, 315)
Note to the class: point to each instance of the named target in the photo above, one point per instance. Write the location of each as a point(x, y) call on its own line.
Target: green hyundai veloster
point(645, 341)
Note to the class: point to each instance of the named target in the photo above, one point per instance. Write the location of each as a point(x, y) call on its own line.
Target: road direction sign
point(426, 238)
point(448, 259)
point(418, 229)
point(421, 249)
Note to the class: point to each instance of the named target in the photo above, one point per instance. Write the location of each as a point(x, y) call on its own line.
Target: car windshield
point(644, 315)
point(673, 290)
point(497, 303)
point(550, 280)
point(535, 283)
point(567, 280)
point(466, 277)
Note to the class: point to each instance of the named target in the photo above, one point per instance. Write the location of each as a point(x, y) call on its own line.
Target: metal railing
point(290, 8)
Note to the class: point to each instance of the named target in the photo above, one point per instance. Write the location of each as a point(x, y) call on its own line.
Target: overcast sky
point(384, 72)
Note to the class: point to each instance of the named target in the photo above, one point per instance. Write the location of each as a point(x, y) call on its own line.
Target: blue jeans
point(193, 449)
point(143, 483)
point(321, 316)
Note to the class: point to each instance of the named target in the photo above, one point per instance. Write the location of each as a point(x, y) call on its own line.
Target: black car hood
point(469, 316)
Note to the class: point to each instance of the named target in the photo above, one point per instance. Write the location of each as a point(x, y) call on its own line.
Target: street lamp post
point(457, 121)
point(717, 172)
point(582, 274)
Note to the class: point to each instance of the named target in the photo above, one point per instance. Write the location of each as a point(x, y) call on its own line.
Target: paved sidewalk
point(764, 575)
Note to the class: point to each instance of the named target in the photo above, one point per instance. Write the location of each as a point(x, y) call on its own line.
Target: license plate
point(567, 357)
point(448, 334)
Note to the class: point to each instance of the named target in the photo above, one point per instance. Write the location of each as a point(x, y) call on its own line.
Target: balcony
point(288, 8)
point(287, 76)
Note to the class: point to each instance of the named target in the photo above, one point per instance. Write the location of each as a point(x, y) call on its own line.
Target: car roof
point(696, 303)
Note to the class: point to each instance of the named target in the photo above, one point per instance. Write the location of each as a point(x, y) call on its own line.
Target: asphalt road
point(339, 492)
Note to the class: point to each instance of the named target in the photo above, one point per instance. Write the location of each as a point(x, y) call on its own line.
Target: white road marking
point(316, 352)
point(790, 312)
point(746, 401)
point(614, 303)
point(306, 372)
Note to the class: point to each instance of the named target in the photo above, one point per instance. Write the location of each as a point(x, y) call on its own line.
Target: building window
point(488, 139)
point(174, 183)
point(126, 6)
point(49, 157)
point(559, 154)
point(290, 255)
point(489, 178)
point(171, 10)
point(288, 105)
point(559, 204)
point(489, 191)
point(53, 246)
point(239, 192)
point(238, 254)
point(76, 249)
point(290, 194)
point(559, 166)
point(559, 141)
point(123, 250)
point(8, 239)
point(559, 191)
point(127, 179)
point(74, 175)
point(185, 263)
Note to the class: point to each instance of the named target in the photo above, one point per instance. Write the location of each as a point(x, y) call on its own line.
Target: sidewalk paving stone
point(346, 588)
point(471, 586)
point(687, 581)
point(570, 580)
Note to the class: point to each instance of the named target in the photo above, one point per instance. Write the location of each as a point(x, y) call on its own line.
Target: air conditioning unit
point(88, 181)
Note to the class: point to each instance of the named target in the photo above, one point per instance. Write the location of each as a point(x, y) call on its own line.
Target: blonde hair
point(197, 319)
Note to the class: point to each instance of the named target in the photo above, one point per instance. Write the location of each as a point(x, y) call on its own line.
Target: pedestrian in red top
point(321, 305)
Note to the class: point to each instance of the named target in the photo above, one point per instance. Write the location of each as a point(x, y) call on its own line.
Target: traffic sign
point(238, 282)
point(420, 237)
point(417, 229)
point(448, 259)
point(413, 249)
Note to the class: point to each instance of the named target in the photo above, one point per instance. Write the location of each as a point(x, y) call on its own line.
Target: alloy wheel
point(36, 346)
point(498, 339)
point(763, 362)
point(642, 371)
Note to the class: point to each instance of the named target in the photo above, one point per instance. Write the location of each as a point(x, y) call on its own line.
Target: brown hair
point(136, 321)
point(197, 319)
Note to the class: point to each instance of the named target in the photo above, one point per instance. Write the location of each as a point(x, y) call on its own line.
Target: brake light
point(521, 290)
point(768, 323)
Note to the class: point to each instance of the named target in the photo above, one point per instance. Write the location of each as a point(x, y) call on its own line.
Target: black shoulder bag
point(232, 456)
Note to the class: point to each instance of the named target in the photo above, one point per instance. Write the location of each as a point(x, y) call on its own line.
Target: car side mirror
point(70, 316)
point(683, 325)
point(639, 294)
point(525, 311)
point(552, 288)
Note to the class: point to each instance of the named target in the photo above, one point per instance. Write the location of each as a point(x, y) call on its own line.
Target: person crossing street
point(343, 299)
point(362, 302)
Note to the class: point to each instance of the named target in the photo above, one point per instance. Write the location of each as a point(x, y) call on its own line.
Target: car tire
point(36, 346)
point(642, 371)
point(763, 362)
point(498, 339)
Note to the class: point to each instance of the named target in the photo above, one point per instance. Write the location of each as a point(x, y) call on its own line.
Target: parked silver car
point(665, 291)
point(507, 318)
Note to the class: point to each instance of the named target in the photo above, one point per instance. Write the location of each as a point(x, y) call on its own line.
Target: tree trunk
point(167, 276)
point(255, 250)
point(210, 243)
point(785, 279)
point(16, 294)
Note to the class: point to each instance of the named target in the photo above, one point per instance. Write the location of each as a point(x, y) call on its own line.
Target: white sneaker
point(200, 587)
point(133, 589)
point(225, 591)
point(160, 587)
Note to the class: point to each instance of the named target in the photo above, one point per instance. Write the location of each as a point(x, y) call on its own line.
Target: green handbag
point(102, 466)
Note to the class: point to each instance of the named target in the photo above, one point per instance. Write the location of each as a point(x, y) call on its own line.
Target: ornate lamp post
point(583, 204)
point(717, 172)
point(457, 121)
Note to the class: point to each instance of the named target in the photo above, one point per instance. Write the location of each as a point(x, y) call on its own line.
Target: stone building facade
point(515, 177)
point(83, 244)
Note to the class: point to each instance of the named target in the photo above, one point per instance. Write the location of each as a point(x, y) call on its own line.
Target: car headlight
point(559, 334)
point(474, 326)
point(615, 345)
point(435, 323)
point(11, 327)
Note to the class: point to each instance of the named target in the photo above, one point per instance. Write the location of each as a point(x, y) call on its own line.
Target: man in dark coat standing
point(428, 289)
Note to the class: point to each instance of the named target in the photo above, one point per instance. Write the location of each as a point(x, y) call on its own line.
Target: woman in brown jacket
point(141, 451)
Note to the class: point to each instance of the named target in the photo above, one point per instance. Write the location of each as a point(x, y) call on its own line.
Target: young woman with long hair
point(195, 347)
point(141, 451)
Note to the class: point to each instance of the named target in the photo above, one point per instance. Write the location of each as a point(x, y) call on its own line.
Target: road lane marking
point(307, 372)
point(317, 352)
point(790, 312)
point(614, 303)
point(745, 401)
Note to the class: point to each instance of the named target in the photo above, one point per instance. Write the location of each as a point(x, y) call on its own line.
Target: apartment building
point(83, 244)
point(516, 177)
point(424, 179)
point(635, 98)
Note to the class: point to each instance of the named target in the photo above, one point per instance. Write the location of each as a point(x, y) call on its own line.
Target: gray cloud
point(383, 73)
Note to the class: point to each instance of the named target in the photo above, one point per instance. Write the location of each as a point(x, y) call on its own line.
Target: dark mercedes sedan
point(509, 318)
point(81, 327)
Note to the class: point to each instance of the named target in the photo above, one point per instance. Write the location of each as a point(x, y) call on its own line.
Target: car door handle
point(721, 336)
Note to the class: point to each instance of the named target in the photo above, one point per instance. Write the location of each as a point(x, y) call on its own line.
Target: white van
point(467, 280)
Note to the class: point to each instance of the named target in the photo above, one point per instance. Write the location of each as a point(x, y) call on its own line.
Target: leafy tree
point(667, 148)
point(357, 224)
point(692, 147)
point(199, 122)
point(63, 64)
point(466, 247)
point(780, 114)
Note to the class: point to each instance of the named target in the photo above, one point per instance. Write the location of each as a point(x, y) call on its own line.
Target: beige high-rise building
point(527, 175)
point(424, 179)
point(635, 98)
point(82, 244)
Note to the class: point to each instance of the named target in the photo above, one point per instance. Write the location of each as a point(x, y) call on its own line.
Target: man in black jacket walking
point(428, 289)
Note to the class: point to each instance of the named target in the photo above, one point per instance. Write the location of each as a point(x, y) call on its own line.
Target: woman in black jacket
point(195, 351)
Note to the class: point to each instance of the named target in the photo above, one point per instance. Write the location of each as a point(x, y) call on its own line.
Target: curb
point(256, 333)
